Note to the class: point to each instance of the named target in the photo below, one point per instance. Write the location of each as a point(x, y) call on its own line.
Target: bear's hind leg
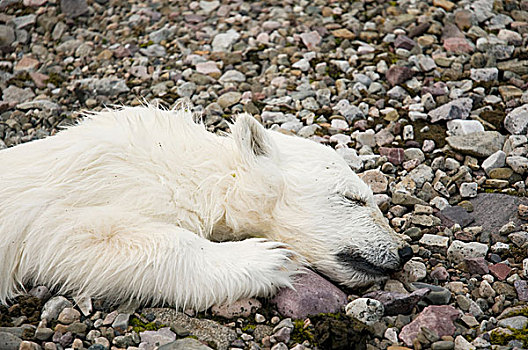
point(105, 252)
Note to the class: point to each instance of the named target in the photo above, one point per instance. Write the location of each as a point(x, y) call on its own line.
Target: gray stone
point(229, 98)
point(74, 8)
point(516, 322)
point(9, 341)
point(468, 189)
point(478, 144)
point(458, 251)
point(365, 310)
point(53, 307)
point(151, 339)
point(186, 89)
point(437, 295)
point(16, 94)
point(24, 21)
point(484, 74)
point(518, 164)
point(155, 50)
point(456, 109)
point(7, 36)
point(120, 323)
point(105, 86)
point(209, 6)
point(516, 121)
point(185, 344)
point(455, 215)
point(159, 35)
point(312, 295)
point(494, 210)
point(203, 329)
point(39, 104)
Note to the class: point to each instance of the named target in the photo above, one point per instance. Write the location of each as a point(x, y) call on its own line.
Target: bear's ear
point(251, 139)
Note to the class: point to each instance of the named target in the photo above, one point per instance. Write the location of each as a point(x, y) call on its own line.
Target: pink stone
point(501, 271)
point(26, 64)
point(312, 295)
point(440, 273)
point(439, 319)
point(398, 74)
point(209, 68)
point(39, 79)
point(384, 137)
point(394, 155)
point(311, 39)
point(458, 45)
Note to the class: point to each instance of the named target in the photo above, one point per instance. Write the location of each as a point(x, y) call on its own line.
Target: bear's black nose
point(405, 254)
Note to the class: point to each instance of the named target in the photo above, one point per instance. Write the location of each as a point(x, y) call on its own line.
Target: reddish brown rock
point(438, 319)
point(313, 295)
point(501, 271)
point(394, 155)
point(478, 266)
point(398, 74)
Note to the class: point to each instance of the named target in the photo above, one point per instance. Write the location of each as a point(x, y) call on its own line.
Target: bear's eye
point(355, 199)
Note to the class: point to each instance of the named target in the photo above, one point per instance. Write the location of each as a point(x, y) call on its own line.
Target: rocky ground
point(426, 99)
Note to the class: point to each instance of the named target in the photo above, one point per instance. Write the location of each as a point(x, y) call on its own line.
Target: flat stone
point(209, 68)
point(232, 76)
point(491, 211)
point(515, 322)
point(74, 8)
point(438, 319)
point(343, 33)
point(500, 271)
point(24, 21)
point(15, 94)
point(394, 155)
point(9, 341)
point(312, 295)
point(229, 98)
point(53, 307)
point(396, 303)
point(455, 215)
point(458, 251)
point(458, 45)
point(484, 74)
point(477, 266)
point(437, 295)
point(239, 308)
point(185, 344)
point(397, 75)
point(152, 339)
point(203, 329)
point(7, 35)
point(518, 164)
point(456, 109)
point(478, 144)
point(459, 127)
point(435, 242)
point(106, 86)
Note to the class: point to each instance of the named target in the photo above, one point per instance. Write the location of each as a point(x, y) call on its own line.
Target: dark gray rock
point(185, 344)
point(437, 295)
point(312, 295)
point(494, 210)
point(74, 8)
point(455, 215)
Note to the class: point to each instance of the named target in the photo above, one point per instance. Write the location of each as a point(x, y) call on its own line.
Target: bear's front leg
point(109, 253)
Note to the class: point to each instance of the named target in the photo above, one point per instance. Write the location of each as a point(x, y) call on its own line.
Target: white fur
point(144, 203)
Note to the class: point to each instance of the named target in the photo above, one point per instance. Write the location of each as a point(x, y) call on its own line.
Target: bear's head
point(302, 193)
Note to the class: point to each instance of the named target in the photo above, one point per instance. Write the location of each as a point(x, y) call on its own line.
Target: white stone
point(365, 310)
point(463, 127)
point(496, 160)
point(468, 189)
point(459, 250)
point(435, 241)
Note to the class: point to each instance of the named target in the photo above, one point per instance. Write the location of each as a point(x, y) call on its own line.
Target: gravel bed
point(426, 100)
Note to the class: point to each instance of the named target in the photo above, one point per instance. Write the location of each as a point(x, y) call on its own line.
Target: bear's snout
point(405, 254)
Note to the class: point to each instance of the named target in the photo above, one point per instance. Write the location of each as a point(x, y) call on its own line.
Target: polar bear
point(144, 203)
